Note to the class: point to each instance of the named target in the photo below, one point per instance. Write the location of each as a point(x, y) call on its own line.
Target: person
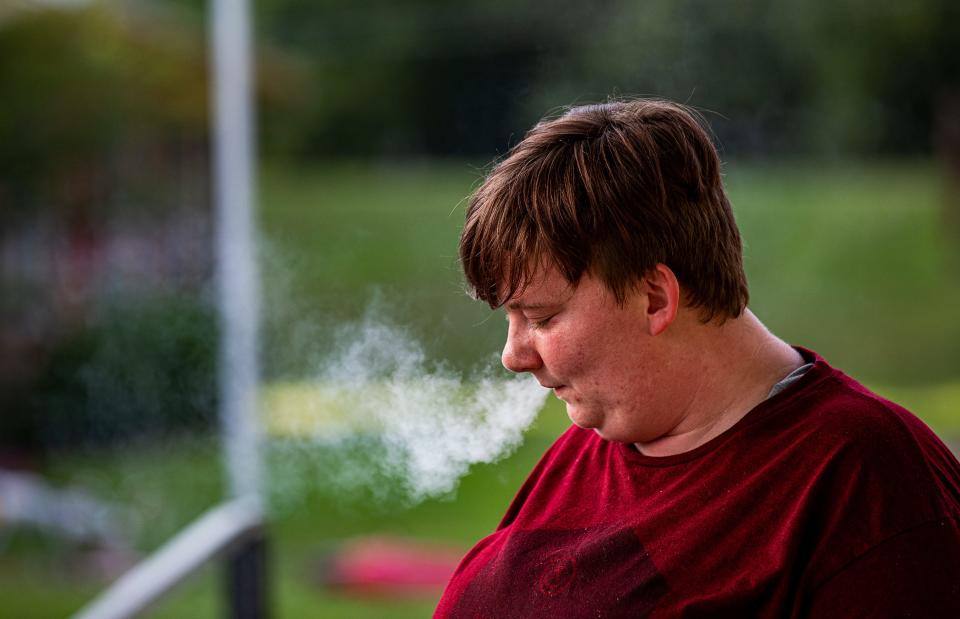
point(712, 470)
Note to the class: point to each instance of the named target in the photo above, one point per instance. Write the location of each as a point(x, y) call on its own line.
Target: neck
point(726, 370)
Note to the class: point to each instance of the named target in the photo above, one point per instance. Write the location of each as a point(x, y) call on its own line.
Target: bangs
point(498, 252)
point(516, 222)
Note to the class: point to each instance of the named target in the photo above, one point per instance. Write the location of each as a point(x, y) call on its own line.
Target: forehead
point(545, 287)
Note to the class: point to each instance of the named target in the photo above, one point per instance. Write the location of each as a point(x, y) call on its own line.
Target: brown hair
point(613, 189)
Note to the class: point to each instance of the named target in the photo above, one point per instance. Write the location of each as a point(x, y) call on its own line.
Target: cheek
point(569, 357)
point(608, 370)
point(560, 360)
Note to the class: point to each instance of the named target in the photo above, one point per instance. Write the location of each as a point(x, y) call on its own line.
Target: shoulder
point(850, 419)
point(836, 413)
point(881, 444)
point(872, 471)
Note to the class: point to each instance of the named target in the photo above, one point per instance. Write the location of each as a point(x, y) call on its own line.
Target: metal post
point(247, 579)
point(234, 191)
point(234, 188)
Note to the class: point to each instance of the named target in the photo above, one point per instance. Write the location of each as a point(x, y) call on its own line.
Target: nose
point(519, 353)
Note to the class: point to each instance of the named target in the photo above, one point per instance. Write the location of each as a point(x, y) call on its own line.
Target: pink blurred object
point(389, 567)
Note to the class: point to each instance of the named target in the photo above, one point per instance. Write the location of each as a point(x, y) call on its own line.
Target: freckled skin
point(597, 354)
point(647, 372)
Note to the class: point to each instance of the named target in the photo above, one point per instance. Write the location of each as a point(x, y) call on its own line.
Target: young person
point(712, 470)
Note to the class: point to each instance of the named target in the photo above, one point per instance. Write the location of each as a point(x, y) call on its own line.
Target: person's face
point(596, 355)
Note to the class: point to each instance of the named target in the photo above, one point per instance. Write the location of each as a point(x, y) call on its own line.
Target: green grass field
point(848, 259)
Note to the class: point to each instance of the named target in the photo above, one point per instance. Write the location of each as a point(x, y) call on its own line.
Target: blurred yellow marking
point(304, 410)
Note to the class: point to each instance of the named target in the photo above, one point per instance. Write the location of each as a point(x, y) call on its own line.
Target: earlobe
point(663, 298)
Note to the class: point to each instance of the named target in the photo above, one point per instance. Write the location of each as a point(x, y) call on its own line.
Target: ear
point(663, 298)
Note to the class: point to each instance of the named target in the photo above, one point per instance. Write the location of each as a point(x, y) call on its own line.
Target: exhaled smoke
point(382, 419)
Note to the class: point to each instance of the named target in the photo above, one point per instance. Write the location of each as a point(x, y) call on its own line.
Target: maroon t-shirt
point(824, 501)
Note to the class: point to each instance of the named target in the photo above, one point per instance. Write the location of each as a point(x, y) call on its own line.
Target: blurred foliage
point(143, 368)
point(429, 77)
point(78, 86)
point(100, 98)
point(784, 76)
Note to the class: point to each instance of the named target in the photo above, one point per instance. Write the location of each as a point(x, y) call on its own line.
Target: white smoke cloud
point(397, 423)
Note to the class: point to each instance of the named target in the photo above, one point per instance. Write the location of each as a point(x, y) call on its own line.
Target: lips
point(556, 387)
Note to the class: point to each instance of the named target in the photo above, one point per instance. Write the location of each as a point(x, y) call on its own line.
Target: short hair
point(613, 189)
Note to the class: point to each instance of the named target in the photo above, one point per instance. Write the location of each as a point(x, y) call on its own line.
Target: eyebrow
point(517, 305)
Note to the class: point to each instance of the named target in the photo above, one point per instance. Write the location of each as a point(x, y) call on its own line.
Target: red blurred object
point(389, 567)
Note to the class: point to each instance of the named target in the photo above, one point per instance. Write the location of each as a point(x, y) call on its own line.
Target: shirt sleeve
point(915, 573)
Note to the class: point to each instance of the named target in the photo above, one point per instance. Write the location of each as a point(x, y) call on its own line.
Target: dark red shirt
point(824, 501)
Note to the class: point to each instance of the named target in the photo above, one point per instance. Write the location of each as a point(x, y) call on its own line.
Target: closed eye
point(540, 323)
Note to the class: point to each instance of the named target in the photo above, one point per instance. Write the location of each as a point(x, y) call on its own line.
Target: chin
point(603, 428)
point(607, 435)
point(584, 419)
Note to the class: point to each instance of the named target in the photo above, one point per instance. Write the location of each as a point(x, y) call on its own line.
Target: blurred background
point(839, 126)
